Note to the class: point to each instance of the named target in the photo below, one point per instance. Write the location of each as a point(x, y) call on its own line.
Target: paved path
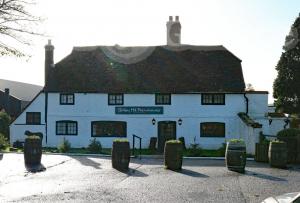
point(91, 179)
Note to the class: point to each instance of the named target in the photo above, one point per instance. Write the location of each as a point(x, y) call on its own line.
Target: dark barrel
point(291, 142)
point(261, 152)
point(173, 155)
point(152, 145)
point(120, 155)
point(32, 151)
point(235, 156)
point(278, 154)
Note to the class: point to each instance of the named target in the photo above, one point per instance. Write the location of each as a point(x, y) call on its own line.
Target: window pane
point(63, 99)
point(72, 128)
point(109, 129)
point(70, 99)
point(212, 129)
point(66, 128)
point(207, 99)
point(115, 99)
point(163, 99)
point(218, 99)
point(61, 128)
point(33, 118)
point(66, 98)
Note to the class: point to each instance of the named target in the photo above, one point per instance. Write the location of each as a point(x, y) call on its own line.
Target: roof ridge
point(180, 47)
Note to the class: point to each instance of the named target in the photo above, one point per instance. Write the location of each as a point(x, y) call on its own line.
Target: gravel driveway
point(91, 179)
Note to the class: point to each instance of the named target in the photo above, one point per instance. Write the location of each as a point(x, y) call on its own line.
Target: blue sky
point(251, 29)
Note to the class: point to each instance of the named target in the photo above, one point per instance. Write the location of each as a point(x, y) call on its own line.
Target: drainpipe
point(247, 103)
point(46, 115)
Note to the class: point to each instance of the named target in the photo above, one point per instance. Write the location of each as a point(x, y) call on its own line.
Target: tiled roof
point(180, 69)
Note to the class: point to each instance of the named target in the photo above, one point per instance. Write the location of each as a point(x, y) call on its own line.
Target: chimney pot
point(49, 61)
point(173, 31)
point(6, 91)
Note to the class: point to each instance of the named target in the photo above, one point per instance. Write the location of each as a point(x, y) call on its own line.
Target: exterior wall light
point(179, 121)
point(153, 121)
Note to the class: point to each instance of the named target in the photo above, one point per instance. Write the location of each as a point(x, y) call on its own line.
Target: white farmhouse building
point(170, 91)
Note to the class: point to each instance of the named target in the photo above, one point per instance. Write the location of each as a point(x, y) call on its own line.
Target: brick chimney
point(49, 62)
point(6, 100)
point(173, 31)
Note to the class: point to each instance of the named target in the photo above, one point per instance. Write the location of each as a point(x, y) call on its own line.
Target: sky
point(253, 30)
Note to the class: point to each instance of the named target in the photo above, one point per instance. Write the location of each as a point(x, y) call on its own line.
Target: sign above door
point(139, 110)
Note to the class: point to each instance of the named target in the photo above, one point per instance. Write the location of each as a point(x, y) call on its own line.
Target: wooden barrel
point(261, 152)
point(173, 153)
point(235, 156)
point(291, 142)
point(152, 145)
point(32, 151)
point(298, 149)
point(120, 155)
point(278, 154)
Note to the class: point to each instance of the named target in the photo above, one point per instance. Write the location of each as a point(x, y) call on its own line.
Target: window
point(109, 129)
point(212, 129)
point(115, 99)
point(213, 99)
point(33, 118)
point(162, 99)
point(67, 99)
point(66, 127)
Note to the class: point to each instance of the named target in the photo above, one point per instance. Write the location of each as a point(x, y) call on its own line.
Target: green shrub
point(222, 149)
point(65, 146)
point(277, 141)
point(291, 132)
point(173, 142)
point(4, 124)
point(121, 140)
point(94, 146)
point(194, 150)
point(263, 139)
point(33, 137)
point(237, 141)
point(3, 141)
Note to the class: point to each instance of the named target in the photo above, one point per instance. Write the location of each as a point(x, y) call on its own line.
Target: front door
point(166, 131)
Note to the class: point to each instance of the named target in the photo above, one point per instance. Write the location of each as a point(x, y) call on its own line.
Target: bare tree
point(16, 26)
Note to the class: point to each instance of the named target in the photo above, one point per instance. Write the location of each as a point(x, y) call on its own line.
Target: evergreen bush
point(64, 146)
point(4, 124)
point(95, 146)
point(291, 132)
point(3, 141)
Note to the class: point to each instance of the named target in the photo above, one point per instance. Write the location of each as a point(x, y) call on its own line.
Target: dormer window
point(163, 99)
point(67, 99)
point(115, 99)
point(213, 99)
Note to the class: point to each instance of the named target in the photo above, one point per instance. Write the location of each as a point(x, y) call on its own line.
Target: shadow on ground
point(264, 176)
point(87, 161)
point(191, 173)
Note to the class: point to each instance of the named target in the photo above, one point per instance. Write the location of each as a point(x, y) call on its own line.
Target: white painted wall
point(18, 127)
point(258, 105)
point(93, 107)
